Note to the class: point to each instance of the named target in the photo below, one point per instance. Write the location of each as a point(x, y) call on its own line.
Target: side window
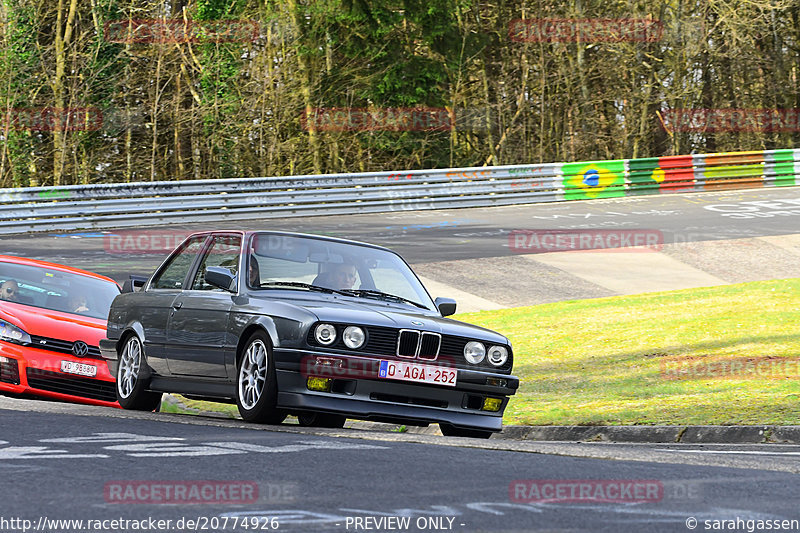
point(223, 253)
point(173, 273)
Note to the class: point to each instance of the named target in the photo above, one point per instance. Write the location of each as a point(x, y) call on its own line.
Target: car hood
point(53, 324)
point(373, 312)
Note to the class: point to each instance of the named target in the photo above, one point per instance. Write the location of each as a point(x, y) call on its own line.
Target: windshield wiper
point(345, 292)
point(302, 286)
point(383, 295)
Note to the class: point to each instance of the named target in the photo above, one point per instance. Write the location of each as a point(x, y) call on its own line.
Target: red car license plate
point(80, 369)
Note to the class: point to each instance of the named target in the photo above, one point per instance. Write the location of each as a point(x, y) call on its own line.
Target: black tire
point(131, 384)
point(256, 384)
point(449, 430)
point(321, 420)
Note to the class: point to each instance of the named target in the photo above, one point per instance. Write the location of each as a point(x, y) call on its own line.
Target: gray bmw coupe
point(318, 327)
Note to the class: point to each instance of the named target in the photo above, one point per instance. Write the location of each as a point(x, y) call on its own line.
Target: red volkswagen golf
point(52, 318)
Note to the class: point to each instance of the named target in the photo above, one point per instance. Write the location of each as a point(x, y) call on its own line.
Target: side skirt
point(207, 389)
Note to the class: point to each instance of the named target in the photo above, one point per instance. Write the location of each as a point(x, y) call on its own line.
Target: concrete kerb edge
point(656, 434)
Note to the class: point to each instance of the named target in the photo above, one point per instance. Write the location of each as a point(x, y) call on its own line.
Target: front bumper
point(358, 392)
point(29, 370)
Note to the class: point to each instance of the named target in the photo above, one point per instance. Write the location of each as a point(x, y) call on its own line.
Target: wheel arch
point(259, 323)
point(265, 409)
point(133, 328)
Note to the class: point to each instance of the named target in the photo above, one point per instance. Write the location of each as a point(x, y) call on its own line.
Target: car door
point(159, 296)
point(198, 322)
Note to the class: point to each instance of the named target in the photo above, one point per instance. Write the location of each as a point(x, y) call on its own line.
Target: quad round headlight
point(474, 352)
point(497, 356)
point(353, 337)
point(325, 334)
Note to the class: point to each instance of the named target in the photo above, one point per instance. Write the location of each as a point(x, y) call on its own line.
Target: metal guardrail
point(119, 205)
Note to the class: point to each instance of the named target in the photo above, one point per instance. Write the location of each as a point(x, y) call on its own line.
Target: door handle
point(177, 305)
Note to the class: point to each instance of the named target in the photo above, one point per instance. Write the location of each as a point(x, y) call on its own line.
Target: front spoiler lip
point(381, 411)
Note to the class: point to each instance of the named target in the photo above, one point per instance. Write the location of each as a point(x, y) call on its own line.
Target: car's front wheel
point(132, 390)
point(256, 384)
point(449, 430)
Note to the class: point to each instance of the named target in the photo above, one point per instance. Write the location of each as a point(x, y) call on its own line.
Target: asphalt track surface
point(65, 462)
point(478, 234)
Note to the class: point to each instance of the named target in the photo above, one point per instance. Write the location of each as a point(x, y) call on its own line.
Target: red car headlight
point(11, 333)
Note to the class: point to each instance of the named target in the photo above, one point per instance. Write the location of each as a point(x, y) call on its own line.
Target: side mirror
point(135, 283)
point(446, 306)
point(220, 277)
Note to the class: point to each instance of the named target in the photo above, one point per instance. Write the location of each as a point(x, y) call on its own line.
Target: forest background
point(136, 90)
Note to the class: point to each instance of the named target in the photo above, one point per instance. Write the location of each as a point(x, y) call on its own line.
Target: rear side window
point(172, 274)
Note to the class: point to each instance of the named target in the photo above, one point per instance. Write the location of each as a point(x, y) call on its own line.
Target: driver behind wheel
point(339, 276)
point(9, 291)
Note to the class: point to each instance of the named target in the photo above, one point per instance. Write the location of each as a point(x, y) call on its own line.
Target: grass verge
point(718, 355)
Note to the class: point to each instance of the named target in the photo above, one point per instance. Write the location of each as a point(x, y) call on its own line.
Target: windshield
point(56, 290)
point(307, 263)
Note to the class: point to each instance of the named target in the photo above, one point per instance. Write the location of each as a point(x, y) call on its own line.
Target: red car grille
point(57, 345)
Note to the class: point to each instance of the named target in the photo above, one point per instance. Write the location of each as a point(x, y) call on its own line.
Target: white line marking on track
point(41, 452)
point(111, 437)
